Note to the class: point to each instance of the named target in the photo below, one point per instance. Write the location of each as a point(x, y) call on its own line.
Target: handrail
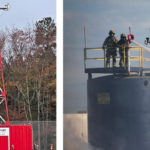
point(130, 58)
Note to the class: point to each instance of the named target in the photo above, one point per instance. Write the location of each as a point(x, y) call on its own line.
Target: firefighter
point(123, 47)
point(111, 42)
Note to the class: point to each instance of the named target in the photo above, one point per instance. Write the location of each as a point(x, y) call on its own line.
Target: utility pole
point(6, 8)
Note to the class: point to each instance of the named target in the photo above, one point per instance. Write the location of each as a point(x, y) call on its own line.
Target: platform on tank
point(116, 70)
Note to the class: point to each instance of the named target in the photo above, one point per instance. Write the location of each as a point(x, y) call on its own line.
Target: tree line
point(29, 65)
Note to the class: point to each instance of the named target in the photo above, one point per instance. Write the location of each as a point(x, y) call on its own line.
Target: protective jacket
point(123, 47)
point(110, 41)
point(122, 44)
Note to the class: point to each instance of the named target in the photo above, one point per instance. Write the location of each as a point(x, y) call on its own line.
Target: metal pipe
point(140, 57)
point(85, 35)
point(85, 58)
point(124, 56)
point(85, 48)
point(1, 101)
point(104, 59)
point(129, 62)
point(146, 71)
point(2, 119)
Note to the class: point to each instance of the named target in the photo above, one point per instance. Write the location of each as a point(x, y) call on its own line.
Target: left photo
point(28, 75)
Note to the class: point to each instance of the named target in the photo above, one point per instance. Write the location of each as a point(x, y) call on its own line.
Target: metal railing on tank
point(130, 58)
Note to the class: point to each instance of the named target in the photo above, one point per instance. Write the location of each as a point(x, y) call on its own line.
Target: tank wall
point(119, 113)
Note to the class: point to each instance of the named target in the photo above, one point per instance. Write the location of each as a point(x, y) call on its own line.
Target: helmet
point(122, 35)
point(111, 32)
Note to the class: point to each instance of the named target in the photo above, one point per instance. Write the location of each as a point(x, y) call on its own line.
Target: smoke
point(75, 133)
point(72, 142)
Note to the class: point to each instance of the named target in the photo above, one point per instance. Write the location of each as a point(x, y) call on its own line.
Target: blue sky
point(26, 11)
point(98, 16)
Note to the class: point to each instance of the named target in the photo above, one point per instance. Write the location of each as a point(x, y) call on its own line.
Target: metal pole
point(104, 59)
point(140, 56)
point(124, 56)
point(129, 62)
point(85, 47)
point(85, 36)
point(84, 58)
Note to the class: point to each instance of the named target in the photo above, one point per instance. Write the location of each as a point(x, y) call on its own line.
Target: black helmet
point(111, 32)
point(122, 35)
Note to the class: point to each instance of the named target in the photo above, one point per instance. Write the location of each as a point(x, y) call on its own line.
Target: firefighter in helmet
point(110, 42)
point(123, 48)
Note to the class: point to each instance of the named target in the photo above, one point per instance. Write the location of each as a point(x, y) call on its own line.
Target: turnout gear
point(111, 43)
point(108, 55)
point(123, 50)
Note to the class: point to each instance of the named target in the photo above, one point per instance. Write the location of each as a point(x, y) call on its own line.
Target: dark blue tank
point(119, 112)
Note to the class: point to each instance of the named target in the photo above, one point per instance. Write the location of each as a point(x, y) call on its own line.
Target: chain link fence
point(44, 133)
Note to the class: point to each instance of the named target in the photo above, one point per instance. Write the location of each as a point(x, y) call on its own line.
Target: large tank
point(119, 112)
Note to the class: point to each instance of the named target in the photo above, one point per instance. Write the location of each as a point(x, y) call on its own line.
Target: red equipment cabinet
point(17, 136)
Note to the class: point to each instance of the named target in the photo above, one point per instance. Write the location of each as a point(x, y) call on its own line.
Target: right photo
point(106, 83)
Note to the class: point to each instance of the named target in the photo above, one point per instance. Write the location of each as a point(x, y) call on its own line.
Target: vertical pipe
point(124, 56)
point(104, 59)
point(129, 62)
point(85, 47)
point(84, 58)
point(140, 56)
point(85, 36)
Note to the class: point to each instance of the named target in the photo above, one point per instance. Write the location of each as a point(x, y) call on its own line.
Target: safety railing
point(130, 58)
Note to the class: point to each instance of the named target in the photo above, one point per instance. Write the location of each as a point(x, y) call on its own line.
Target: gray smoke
point(75, 137)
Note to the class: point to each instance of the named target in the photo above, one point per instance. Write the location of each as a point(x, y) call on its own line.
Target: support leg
point(89, 76)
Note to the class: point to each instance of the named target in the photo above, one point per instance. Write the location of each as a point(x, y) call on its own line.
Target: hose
point(136, 43)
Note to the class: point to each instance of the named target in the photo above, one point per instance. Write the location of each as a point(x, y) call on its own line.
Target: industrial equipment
point(147, 41)
point(119, 103)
